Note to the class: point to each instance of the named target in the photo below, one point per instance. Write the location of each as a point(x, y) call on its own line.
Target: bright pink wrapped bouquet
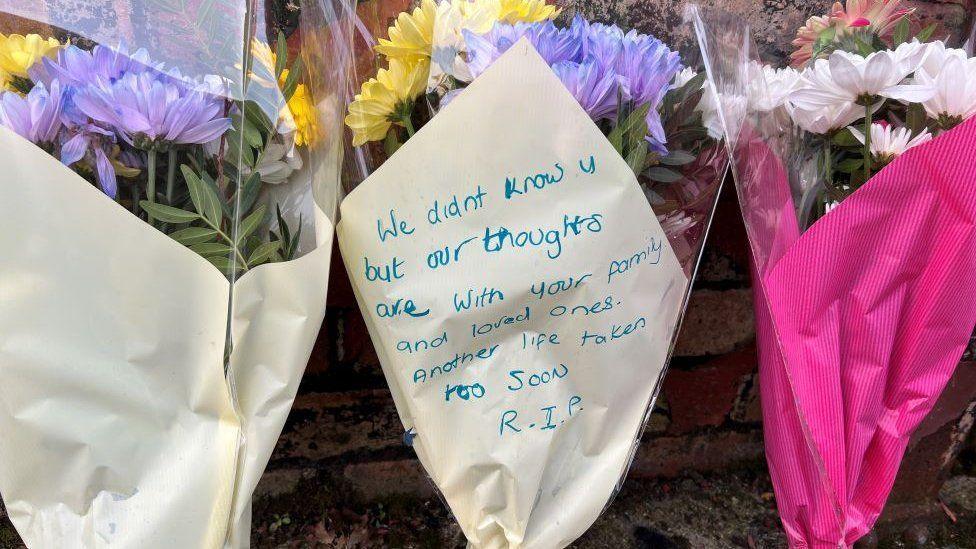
point(855, 171)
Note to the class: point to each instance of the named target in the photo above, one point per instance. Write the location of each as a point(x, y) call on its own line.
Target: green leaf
point(678, 158)
point(282, 54)
point(252, 134)
point(295, 240)
point(636, 159)
point(637, 126)
point(251, 223)
point(263, 253)
point(168, 214)
point(194, 235)
point(916, 119)
point(224, 263)
point(845, 138)
point(850, 165)
point(257, 116)
point(926, 33)
point(282, 225)
point(824, 41)
point(204, 198)
point(294, 75)
point(902, 30)
point(212, 248)
point(251, 188)
point(695, 84)
point(663, 175)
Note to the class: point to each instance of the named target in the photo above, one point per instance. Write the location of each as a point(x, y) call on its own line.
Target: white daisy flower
point(708, 106)
point(769, 88)
point(888, 142)
point(954, 89)
point(846, 78)
point(936, 57)
point(826, 119)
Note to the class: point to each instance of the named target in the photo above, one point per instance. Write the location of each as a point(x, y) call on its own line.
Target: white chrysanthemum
point(888, 142)
point(954, 85)
point(448, 41)
point(824, 120)
point(278, 161)
point(708, 106)
point(683, 77)
point(936, 57)
point(769, 88)
point(846, 78)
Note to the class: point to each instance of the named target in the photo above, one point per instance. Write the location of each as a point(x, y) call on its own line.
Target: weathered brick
point(704, 396)
point(938, 440)
point(717, 322)
point(713, 451)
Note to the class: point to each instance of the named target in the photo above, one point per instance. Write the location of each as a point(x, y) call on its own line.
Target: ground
point(733, 509)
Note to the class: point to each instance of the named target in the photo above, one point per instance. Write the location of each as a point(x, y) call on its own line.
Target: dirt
point(734, 509)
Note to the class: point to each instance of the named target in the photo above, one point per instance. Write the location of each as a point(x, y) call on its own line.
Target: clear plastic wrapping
point(173, 172)
point(529, 196)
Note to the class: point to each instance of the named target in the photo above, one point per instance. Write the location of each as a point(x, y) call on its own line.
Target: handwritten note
point(522, 298)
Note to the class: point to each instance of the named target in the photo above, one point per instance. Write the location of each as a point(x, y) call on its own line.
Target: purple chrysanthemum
point(646, 68)
point(594, 88)
point(595, 61)
point(75, 67)
point(84, 141)
point(36, 117)
point(152, 110)
point(555, 45)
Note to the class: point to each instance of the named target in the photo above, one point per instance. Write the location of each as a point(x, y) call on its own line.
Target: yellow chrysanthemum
point(19, 53)
point(305, 115)
point(387, 99)
point(299, 112)
point(526, 11)
point(412, 34)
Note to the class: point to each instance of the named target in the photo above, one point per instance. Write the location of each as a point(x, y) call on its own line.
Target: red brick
point(717, 451)
point(704, 396)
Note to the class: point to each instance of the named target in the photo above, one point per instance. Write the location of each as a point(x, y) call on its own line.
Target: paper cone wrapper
point(119, 426)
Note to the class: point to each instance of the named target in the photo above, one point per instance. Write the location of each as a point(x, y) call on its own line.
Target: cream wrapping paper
point(118, 425)
point(522, 298)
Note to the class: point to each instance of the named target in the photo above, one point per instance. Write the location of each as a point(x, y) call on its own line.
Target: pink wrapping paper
point(861, 321)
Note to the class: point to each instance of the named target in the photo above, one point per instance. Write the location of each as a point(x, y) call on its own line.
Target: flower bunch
point(613, 74)
point(657, 113)
point(193, 159)
point(430, 31)
point(870, 22)
point(868, 97)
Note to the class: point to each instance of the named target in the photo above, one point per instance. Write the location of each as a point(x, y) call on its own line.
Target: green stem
point(867, 142)
point(828, 164)
point(151, 182)
point(229, 240)
point(407, 123)
point(135, 199)
point(171, 176)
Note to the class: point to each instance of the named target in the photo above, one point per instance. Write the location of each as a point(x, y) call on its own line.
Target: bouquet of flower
point(166, 208)
point(537, 193)
point(853, 169)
